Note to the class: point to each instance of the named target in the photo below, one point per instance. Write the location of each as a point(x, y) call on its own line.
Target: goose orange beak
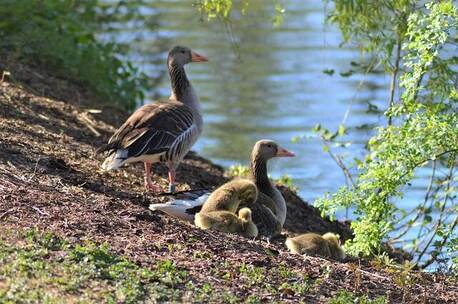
point(281, 152)
point(198, 58)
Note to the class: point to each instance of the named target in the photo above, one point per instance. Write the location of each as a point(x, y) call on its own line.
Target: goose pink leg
point(171, 177)
point(148, 182)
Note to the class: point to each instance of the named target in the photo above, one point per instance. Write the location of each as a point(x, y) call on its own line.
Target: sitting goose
point(269, 210)
point(160, 132)
point(219, 210)
point(227, 197)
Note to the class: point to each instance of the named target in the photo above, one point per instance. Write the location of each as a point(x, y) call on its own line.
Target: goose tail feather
point(115, 160)
point(182, 209)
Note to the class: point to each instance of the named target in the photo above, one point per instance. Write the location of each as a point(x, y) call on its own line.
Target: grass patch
point(345, 297)
point(37, 267)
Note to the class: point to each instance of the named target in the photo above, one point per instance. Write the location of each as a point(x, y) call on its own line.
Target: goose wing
point(265, 220)
point(152, 129)
point(264, 214)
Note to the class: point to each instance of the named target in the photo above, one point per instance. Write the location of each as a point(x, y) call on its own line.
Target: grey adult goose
point(163, 131)
point(269, 211)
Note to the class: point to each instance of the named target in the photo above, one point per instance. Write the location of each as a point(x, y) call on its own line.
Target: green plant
point(253, 274)
point(223, 8)
point(404, 277)
point(344, 297)
point(41, 267)
point(412, 42)
point(238, 171)
point(287, 181)
point(61, 36)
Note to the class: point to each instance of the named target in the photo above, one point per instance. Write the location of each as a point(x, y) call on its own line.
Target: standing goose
point(269, 210)
point(160, 132)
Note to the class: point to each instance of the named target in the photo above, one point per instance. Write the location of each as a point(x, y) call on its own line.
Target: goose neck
point(179, 81)
point(259, 175)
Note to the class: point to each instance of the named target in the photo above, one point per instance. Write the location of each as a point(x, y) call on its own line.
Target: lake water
point(267, 83)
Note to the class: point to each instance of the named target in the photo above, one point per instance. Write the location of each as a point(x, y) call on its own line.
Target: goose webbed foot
point(149, 185)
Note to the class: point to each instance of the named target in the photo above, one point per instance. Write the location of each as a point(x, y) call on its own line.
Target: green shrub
point(60, 36)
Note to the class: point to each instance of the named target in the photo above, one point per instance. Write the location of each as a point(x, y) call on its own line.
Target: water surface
point(267, 83)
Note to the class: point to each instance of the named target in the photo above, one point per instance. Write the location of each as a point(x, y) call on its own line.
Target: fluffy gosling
point(226, 221)
point(327, 245)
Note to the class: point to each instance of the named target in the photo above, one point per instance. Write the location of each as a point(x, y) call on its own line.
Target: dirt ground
point(50, 178)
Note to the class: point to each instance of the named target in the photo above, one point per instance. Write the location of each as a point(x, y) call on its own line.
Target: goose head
point(181, 55)
point(267, 149)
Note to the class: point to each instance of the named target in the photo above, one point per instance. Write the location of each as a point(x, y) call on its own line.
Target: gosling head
point(245, 214)
point(181, 55)
point(334, 242)
point(248, 192)
point(333, 238)
point(250, 229)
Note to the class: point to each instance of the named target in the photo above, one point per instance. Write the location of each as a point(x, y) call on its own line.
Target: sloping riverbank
point(51, 181)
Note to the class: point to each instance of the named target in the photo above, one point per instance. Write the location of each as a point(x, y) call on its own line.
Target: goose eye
point(182, 52)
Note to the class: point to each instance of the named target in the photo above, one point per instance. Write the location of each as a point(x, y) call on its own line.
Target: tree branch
point(394, 77)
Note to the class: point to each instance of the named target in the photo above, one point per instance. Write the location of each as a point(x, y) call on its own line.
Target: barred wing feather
point(152, 129)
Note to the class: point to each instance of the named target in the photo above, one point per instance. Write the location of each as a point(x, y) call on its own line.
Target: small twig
point(373, 274)
point(34, 170)
point(419, 208)
point(6, 213)
point(342, 166)
point(426, 160)
point(432, 259)
point(439, 223)
point(394, 77)
point(215, 279)
point(39, 211)
point(89, 123)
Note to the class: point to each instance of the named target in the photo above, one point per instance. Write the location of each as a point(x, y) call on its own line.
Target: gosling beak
point(281, 152)
point(198, 58)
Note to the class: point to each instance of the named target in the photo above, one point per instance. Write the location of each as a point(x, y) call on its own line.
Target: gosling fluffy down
point(229, 196)
point(327, 245)
point(228, 222)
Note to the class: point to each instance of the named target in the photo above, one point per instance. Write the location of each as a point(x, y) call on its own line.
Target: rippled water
point(263, 82)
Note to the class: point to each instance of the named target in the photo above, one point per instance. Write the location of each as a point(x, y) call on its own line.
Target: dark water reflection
point(263, 82)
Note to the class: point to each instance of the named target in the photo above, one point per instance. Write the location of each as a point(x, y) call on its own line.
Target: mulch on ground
point(50, 179)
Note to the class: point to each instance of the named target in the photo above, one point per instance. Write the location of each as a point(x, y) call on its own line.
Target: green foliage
point(223, 8)
point(215, 8)
point(60, 36)
point(238, 171)
point(254, 275)
point(425, 129)
point(287, 181)
point(345, 297)
point(374, 26)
